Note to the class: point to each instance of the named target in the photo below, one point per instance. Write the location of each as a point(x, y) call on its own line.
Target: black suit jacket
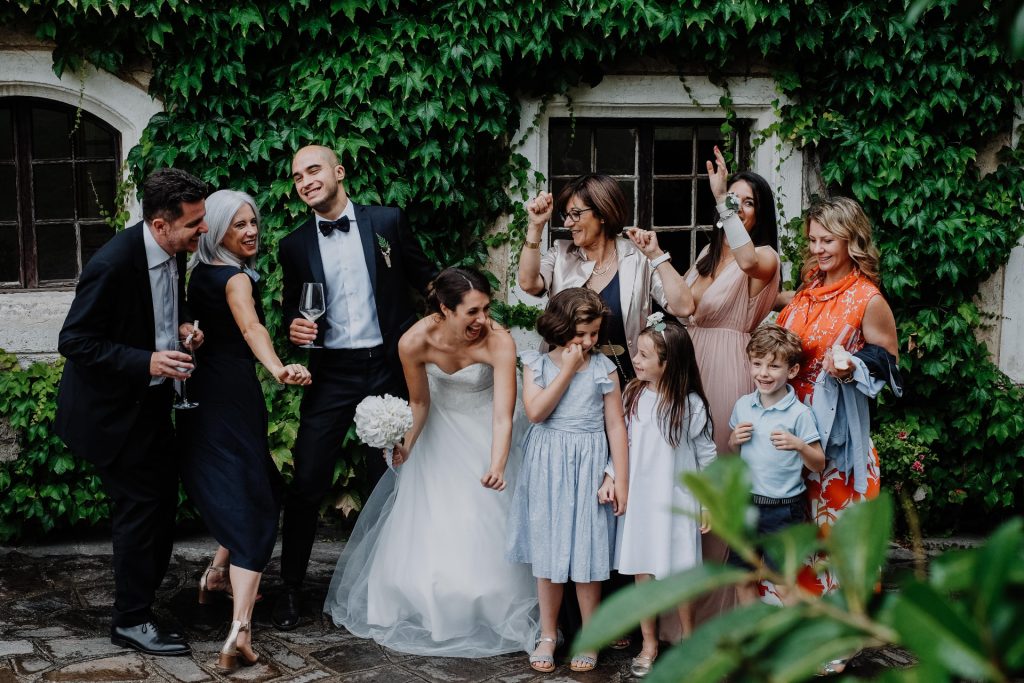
point(108, 340)
point(299, 254)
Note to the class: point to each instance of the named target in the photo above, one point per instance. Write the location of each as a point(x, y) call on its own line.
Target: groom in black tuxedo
point(367, 259)
point(114, 403)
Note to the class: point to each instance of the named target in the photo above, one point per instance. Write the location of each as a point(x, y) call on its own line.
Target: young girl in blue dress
point(562, 518)
point(669, 426)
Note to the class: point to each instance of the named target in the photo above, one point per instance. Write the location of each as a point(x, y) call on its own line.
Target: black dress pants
point(341, 379)
point(142, 483)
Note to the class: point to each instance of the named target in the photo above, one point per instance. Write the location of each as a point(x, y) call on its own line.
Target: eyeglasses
point(572, 214)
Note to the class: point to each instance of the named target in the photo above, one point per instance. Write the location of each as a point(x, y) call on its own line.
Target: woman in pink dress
point(734, 284)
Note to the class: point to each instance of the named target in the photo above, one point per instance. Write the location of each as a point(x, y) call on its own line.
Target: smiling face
point(588, 230)
point(770, 373)
point(832, 253)
point(586, 334)
point(241, 238)
point(181, 234)
point(648, 366)
point(748, 205)
point(468, 321)
point(317, 176)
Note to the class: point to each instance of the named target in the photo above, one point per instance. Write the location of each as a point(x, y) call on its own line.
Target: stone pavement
point(54, 626)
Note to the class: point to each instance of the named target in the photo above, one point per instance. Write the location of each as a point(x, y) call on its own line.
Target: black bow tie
point(326, 227)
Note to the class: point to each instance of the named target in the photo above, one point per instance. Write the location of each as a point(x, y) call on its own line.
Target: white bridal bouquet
point(382, 421)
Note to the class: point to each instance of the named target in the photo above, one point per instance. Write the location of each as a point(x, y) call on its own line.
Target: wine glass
point(181, 401)
point(311, 306)
point(845, 344)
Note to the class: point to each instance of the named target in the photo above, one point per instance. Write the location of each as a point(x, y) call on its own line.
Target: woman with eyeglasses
point(629, 273)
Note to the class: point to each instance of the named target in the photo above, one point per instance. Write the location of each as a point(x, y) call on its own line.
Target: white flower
point(382, 421)
point(655, 319)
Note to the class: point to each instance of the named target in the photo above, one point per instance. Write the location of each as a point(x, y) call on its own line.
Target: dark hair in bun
point(451, 286)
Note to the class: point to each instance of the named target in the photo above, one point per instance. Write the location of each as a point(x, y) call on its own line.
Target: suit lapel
point(627, 274)
point(316, 262)
point(369, 240)
point(141, 265)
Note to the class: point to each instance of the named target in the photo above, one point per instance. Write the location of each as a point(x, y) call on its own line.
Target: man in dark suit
point(366, 258)
point(114, 404)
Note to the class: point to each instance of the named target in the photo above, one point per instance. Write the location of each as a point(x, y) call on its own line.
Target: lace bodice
point(461, 390)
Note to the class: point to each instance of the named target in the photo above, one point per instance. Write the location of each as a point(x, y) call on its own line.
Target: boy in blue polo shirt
point(776, 436)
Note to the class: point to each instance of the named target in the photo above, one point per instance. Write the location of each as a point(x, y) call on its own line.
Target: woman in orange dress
point(839, 302)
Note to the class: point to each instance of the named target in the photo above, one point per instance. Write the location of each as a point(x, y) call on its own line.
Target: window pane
point(703, 238)
point(570, 154)
point(616, 150)
point(6, 134)
point(57, 250)
point(707, 138)
point(50, 131)
point(94, 237)
point(672, 203)
point(707, 214)
point(94, 141)
point(673, 151)
point(677, 242)
point(9, 270)
point(53, 191)
point(8, 194)
point(629, 190)
point(95, 189)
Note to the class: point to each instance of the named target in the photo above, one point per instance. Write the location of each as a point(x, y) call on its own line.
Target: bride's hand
point(399, 455)
point(494, 480)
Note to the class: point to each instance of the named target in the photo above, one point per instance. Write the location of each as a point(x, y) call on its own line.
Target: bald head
point(317, 176)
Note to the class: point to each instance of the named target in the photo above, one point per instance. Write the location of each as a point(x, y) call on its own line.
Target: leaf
point(857, 546)
point(996, 559)
point(790, 548)
point(723, 488)
point(624, 609)
point(939, 635)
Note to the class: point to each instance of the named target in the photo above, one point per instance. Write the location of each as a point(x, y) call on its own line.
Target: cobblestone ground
point(55, 621)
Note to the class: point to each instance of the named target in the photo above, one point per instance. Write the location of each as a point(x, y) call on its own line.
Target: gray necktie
point(169, 303)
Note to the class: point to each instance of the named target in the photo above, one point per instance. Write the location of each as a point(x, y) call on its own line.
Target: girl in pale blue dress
point(561, 521)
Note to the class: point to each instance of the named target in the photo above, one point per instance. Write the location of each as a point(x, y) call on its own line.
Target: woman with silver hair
point(227, 469)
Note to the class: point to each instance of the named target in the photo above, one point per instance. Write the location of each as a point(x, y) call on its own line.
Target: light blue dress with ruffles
point(556, 524)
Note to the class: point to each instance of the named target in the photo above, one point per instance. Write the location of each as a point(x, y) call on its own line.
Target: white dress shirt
point(351, 309)
point(163, 285)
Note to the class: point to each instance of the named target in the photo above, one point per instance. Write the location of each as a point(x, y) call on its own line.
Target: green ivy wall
point(421, 100)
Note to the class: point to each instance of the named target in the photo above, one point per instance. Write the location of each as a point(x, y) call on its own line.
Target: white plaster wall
point(30, 319)
point(1011, 337)
point(664, 96)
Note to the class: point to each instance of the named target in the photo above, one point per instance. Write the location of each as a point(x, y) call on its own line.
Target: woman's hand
point(718, 174)
point(293, 374)
point(828, 364)
point(539, 210)
point(398, 455)
point(646, 241)
point(494, 479)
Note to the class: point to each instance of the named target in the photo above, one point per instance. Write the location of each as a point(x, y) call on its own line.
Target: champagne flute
point(845, 344)
point(311, 306)
point(181, 399)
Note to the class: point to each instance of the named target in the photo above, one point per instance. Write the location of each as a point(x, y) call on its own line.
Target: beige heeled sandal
point(230, 657)
point(205, 592)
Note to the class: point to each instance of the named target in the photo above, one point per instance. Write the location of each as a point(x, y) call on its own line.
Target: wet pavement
point(55, 621)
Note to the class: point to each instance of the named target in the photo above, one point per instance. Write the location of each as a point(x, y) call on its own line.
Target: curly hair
point(844, 218)
point(567, 309)
point(772, 340)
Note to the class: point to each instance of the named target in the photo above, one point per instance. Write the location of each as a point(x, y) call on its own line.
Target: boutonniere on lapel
point(385, 249)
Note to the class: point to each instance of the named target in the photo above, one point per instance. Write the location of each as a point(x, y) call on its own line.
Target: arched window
point(59, 171)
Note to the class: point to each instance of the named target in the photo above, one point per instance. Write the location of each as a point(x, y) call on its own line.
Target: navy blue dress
point(227, 469)
point(613, 331)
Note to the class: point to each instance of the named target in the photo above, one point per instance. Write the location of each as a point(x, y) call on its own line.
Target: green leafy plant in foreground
point(964, 619)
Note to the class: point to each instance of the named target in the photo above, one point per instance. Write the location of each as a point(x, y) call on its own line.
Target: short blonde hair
point(844, 218)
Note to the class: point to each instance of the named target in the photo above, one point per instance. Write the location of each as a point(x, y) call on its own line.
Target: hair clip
point(656, 321)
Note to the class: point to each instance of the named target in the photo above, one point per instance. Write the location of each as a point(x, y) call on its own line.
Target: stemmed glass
point(181, 400)
point(311, 306)
point(844, 345)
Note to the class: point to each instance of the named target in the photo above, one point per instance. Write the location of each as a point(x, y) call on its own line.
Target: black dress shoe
point(148, 638)
point(286, 609)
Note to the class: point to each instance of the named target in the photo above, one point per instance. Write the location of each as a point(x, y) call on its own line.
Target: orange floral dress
point(820, 315)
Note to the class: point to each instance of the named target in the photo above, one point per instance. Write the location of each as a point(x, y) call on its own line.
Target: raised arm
point(540, 402)
point(539, 210)
point(239, 296)
point(675, 294)
point(503, 359)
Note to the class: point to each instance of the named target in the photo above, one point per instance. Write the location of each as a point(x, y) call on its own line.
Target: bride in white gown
point(424, 571)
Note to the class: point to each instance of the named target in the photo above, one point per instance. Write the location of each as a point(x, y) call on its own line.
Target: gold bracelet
point(531, 245)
